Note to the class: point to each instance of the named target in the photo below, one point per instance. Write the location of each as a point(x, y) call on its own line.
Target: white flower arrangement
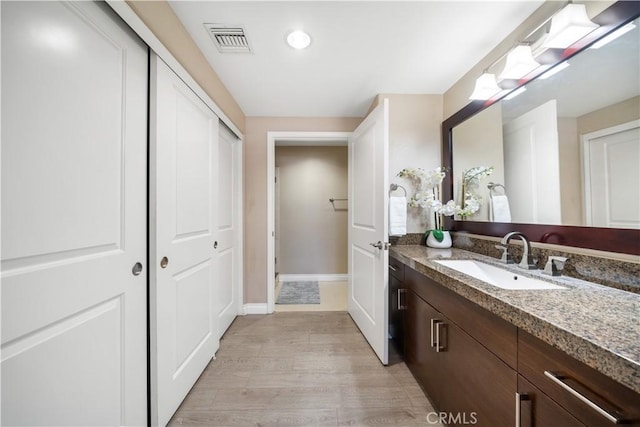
point(427, 195)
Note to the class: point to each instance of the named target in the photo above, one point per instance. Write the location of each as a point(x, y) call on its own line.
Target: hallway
point(301, 369)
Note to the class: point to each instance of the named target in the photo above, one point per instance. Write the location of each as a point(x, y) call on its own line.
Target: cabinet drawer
point(536, 409)
point(587, 394)
point(496, 334)
point(396, 269)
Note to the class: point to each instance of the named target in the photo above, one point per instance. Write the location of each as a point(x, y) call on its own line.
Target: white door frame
point(301, 138)
point(585, 140)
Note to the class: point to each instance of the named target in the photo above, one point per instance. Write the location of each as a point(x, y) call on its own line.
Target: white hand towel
point(397, 216)
point(500, 211)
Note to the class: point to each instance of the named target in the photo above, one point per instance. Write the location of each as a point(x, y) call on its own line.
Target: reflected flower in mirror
point(470, 184)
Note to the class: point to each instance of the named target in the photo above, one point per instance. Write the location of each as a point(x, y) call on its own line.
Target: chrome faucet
point(554, 265)
point(527, 260)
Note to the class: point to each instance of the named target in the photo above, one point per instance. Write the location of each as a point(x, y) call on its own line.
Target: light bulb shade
point(520, 62)
point(568, 26)
point(486, 87)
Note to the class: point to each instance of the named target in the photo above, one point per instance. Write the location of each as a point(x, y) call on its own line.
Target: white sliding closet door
point(74, 138)
point(228, 244)
point(183, 157)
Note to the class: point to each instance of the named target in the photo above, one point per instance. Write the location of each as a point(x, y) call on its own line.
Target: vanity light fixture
point(515, 93)
point(486, 87)
point(555, 70)
point(520, 62)
point(612, 36)
point(568, 26)
point(298, 39)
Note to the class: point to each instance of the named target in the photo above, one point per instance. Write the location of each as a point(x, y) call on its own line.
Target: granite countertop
point(597, 325)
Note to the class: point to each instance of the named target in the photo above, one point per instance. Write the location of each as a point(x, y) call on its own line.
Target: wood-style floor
point(301, 369)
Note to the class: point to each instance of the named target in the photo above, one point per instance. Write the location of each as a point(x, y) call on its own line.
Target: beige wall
point(610, 116)
point(479, 143)
point(570, 172)
point(255, 190)
point(165, 25)
point(313, 232)
point(414, 141)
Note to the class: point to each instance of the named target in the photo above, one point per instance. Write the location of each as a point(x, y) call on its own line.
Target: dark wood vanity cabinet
point(396, 304)
point(534, 408)
point(461, 376)
point(477, 367)
point(588, 395)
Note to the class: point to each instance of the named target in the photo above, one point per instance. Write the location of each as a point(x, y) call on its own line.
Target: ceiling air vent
point(228, 38)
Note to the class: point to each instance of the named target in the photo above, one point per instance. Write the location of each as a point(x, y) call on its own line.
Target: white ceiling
point(359, 49)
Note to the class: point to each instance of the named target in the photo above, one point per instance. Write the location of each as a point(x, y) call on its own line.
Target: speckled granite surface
point(598, 325)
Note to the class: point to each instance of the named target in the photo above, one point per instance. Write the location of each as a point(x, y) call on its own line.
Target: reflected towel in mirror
point(499, 208)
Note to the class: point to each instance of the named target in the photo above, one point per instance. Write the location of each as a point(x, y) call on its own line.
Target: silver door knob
point(164, 262)
point(137, 269)
point(378, 245)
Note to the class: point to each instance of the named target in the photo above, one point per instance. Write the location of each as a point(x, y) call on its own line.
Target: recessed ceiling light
point(298, 39)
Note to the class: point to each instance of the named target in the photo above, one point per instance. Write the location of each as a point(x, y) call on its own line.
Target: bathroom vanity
point(568, 356)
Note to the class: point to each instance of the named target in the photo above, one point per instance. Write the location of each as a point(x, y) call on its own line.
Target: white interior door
point(368, 226)
point(612, 177)
point(228, 230)
point(532, 166)
point(183, 157)
point(74, 119)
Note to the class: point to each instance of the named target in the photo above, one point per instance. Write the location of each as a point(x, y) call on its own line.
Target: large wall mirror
point(565, 150)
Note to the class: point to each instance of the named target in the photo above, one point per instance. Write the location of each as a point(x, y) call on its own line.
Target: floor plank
point(302, 369)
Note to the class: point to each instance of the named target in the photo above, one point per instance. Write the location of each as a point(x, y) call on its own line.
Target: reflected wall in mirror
point(566, 150)
point(593, 123)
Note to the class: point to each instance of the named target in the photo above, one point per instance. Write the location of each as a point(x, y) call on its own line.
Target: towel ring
point(492, 187)
point(394, 187)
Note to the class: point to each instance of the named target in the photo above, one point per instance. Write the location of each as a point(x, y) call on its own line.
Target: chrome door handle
point(612, 416)
point(381, 245)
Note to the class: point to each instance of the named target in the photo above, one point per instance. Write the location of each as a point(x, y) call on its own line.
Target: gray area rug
point(299, 293)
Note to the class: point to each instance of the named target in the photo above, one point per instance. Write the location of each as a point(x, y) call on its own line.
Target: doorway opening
point(307, 221)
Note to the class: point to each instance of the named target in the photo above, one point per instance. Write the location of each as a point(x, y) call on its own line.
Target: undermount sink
point(497, 276)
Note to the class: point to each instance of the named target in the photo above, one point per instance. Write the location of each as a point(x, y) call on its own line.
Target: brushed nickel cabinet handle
point(520, 397)
point(434, 322)
point(439, 346)
point(612, 416)
point(401, 293)
point(392, 268)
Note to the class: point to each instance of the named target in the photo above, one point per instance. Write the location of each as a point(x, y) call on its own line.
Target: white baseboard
point(311, 277)
point(259, 308)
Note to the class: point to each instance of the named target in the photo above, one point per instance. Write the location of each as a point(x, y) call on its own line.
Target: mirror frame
point(625, 241)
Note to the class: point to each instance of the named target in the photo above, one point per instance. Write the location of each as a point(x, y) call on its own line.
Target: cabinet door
point(536, 409)
point(475, 384)
point(420, 356)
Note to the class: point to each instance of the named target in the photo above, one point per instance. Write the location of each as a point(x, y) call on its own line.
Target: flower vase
point(432, 242)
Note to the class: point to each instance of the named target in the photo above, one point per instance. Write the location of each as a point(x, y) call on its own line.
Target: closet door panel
point(184, 148)
point(74, 138)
